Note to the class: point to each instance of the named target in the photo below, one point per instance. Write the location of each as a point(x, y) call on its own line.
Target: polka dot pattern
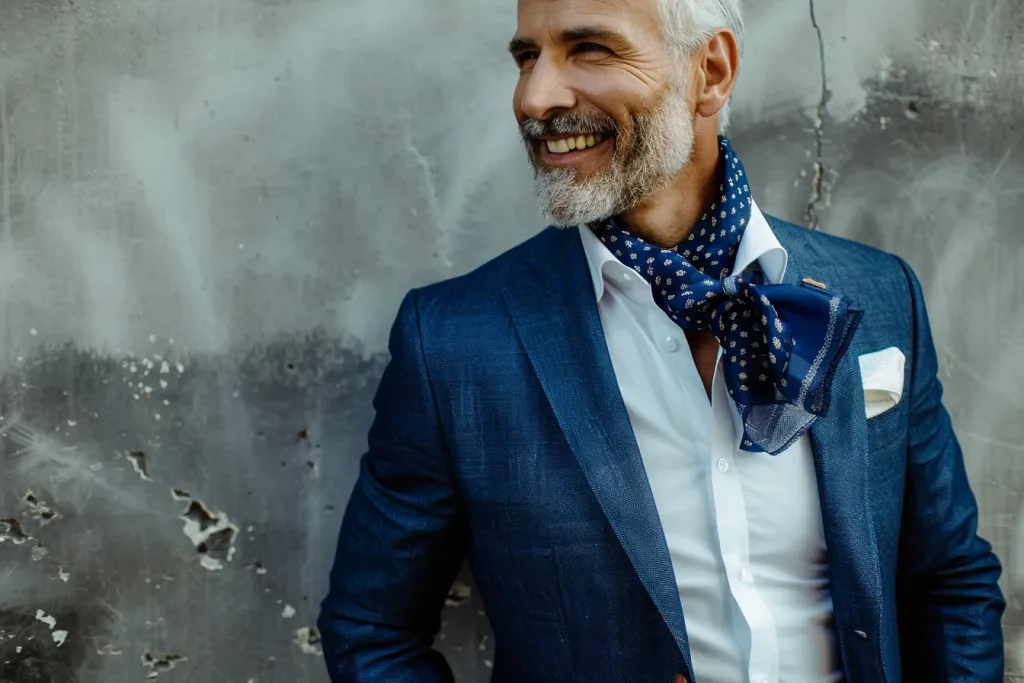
point(694, 284)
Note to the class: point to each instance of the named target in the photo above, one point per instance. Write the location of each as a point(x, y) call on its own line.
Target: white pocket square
point(882, 375)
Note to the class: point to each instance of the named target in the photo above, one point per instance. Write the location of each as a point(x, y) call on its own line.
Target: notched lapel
point(554, 312)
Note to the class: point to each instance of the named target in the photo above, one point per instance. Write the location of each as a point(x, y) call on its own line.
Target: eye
point(591, 47)
point(525, 57)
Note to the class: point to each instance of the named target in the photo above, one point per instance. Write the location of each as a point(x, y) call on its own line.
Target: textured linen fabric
point(500, 436)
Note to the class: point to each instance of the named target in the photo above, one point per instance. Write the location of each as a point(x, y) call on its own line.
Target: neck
point(666, 217)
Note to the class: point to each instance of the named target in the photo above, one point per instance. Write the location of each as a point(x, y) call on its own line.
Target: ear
point(718, 66)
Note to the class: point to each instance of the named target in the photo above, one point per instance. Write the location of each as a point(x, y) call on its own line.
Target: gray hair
point(688, 24)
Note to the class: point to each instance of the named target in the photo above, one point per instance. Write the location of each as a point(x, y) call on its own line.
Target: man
point(677, 439)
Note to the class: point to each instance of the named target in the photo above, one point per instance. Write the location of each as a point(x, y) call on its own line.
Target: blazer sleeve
point(402, 538)
point(949, 601)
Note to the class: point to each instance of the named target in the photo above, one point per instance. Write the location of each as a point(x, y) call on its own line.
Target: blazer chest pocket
point(887, 467)
point(888, 429)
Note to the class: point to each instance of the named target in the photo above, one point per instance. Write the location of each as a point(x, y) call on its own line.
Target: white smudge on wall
point(59, 635)
point(47, 619)
point(308, 640)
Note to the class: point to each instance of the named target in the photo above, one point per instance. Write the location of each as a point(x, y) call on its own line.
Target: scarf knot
point(781, 343)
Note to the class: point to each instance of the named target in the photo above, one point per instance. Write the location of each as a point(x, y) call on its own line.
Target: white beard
point(662, 146)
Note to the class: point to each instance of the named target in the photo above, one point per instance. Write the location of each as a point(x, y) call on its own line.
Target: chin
point(567, 198)
point(577, 211)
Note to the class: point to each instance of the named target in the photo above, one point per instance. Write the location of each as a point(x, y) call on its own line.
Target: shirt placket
point(734, 539)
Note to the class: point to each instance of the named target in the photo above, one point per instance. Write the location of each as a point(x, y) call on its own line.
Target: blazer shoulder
point(470, 304)
point(851, 261)
point(879, 283)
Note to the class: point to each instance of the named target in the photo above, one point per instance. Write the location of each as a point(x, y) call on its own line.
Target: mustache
point(567, 124)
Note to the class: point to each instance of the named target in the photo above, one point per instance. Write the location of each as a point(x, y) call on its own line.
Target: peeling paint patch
point(39, 552)
point(108, 650)
point(63, 575)
point(60, 635)
point(10, 530)
point(213, 535)
point(161, 664)
point(288, 612)
point(39, 509)
point(180, 494)
point(458, 595)
point(47, 619)
point(138, 461)
point(308, 640)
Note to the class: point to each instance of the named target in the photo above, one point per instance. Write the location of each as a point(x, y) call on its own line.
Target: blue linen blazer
point(500, 436)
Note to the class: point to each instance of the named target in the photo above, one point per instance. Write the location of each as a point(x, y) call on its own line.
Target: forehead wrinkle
point(609, 9)
point(643, 54)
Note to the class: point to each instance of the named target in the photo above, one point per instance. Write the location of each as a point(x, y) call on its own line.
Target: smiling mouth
point(571, 143)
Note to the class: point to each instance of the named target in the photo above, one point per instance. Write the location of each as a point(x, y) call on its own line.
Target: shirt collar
point(758, 243)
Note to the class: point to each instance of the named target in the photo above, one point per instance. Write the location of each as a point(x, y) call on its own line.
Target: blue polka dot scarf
point(781, 343)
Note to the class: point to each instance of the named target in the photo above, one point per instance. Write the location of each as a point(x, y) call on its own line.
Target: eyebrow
point(570, 35)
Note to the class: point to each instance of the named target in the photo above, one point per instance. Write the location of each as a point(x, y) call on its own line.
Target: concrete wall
point(208, 215)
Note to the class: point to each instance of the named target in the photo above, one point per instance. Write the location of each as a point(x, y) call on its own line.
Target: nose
point(545, 91)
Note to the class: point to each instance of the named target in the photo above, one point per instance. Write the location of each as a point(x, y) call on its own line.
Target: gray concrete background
point(208, 215)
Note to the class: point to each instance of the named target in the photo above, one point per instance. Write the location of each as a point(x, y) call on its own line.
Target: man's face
point(601, 105)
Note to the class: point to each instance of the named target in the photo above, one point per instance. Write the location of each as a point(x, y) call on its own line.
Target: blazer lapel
point(553, 309)
point(840, 445)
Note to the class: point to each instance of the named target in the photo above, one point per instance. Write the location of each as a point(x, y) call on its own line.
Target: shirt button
point(745, 577)
point(671, 344)
point(626, 277)
point(723, 465)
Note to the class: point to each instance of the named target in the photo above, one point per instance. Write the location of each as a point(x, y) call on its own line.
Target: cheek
point(618, 96)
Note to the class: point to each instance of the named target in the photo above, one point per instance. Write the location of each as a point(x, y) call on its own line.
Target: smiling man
point(676, 438)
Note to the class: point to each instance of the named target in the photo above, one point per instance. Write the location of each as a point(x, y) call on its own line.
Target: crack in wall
point(818, 181)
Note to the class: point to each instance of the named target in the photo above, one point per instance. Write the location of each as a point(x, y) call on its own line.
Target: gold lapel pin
point(814, 283)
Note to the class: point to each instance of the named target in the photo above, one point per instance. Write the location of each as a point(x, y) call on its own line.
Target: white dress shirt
point(744, 530)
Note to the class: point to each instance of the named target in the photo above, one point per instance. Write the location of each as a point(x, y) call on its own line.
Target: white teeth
point(564, 145)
